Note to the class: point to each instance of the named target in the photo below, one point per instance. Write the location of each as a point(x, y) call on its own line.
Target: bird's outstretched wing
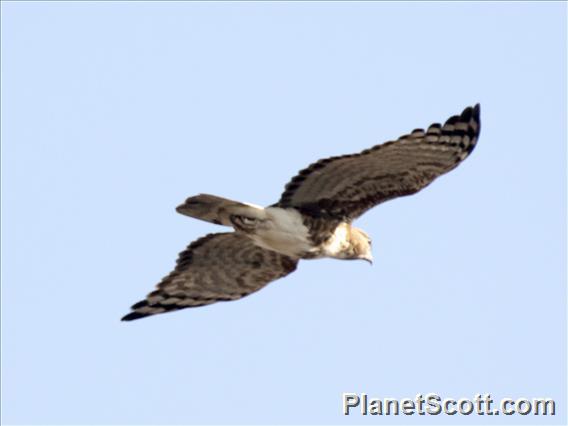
point(225, 266)
point(348, 185)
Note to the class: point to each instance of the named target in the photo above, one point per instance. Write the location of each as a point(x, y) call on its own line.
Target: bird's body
point(313, 218)
point(283, 230)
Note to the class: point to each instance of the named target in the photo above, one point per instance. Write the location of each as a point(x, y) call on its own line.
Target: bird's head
point(360, 246)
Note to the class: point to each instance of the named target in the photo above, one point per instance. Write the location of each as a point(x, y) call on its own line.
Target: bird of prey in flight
point(313, 218)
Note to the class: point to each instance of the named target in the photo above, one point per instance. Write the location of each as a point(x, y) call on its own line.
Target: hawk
point(313, 218)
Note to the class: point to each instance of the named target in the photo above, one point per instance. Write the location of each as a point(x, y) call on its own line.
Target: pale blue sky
point(114, 113)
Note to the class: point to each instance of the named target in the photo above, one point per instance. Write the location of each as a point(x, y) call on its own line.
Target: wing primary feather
point(217, 267)
point(134, 316)
point(346, 186)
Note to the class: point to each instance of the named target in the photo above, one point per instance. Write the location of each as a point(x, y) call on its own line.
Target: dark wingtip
point(476, 112)
point(134, 316)
point(471, 112)
point(140, 304)
point(466, 115)
point(453, 119)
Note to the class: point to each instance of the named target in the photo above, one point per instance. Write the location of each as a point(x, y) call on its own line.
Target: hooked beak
point(368, 258)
